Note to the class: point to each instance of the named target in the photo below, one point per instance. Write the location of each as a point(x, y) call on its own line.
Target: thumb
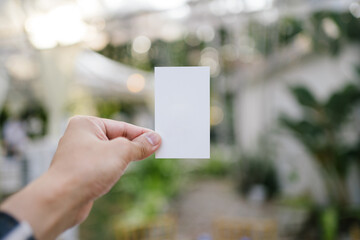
point(144, 145)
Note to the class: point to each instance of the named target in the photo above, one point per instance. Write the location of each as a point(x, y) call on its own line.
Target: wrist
point(46, 204)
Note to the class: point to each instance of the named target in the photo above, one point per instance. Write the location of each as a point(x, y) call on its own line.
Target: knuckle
point(125, 132)
point(76, 119)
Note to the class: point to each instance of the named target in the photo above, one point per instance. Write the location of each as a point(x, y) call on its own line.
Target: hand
point(90, 158)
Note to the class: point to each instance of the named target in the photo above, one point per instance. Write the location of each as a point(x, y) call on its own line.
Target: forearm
point(47, 204)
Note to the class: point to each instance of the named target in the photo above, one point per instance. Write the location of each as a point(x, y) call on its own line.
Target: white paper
point(182, 111)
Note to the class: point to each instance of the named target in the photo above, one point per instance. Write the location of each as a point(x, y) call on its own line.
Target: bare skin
point(90, 158)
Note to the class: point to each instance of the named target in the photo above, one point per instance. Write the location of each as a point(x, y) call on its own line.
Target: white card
point(182, 111)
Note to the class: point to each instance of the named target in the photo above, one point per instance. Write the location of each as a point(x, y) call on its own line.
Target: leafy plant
point(142, 194)
point(319, 130)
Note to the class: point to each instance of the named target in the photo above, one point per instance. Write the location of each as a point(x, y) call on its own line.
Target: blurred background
point(285, 111)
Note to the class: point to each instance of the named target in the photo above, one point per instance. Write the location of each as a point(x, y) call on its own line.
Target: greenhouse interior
point(284, 112)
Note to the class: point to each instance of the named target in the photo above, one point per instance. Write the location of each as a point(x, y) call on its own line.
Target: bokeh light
point(171, 32)
point(330, 28)
point(216, 115)
point(355, 9)
point(141, 44)
point(210, 57)
point(135, 83)
point(205, 33)
point(52, 28)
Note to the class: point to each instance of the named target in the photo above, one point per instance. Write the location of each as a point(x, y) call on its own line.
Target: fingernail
point(153, 138)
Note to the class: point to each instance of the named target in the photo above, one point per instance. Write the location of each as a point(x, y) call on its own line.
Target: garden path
point(207, 200)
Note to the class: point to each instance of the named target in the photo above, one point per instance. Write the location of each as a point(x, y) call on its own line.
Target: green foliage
point(298, 202)
point(288, 29)
point(256, 170)
point(329, 223)
point(346, 24)
point(268, 37)
point(340, 105)
point(304, 96)
point(321, 40)
point(143, 193)
point(34, 112)
point(150, 178)
point(161, 53)
point(106, 108)
point(319, 131)
point(213, 168)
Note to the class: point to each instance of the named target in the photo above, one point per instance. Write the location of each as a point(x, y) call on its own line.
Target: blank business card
point(182, 111)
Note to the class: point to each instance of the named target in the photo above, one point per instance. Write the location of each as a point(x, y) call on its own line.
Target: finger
point(139, 148)
point(145, 145)
point(110, 128)
point(115, 129)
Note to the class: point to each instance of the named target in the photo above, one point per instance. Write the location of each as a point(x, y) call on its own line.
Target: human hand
point(90, 158)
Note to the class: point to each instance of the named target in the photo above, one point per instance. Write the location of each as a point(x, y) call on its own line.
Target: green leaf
point(309, 134)
point(304, 96)
point(340, 104)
